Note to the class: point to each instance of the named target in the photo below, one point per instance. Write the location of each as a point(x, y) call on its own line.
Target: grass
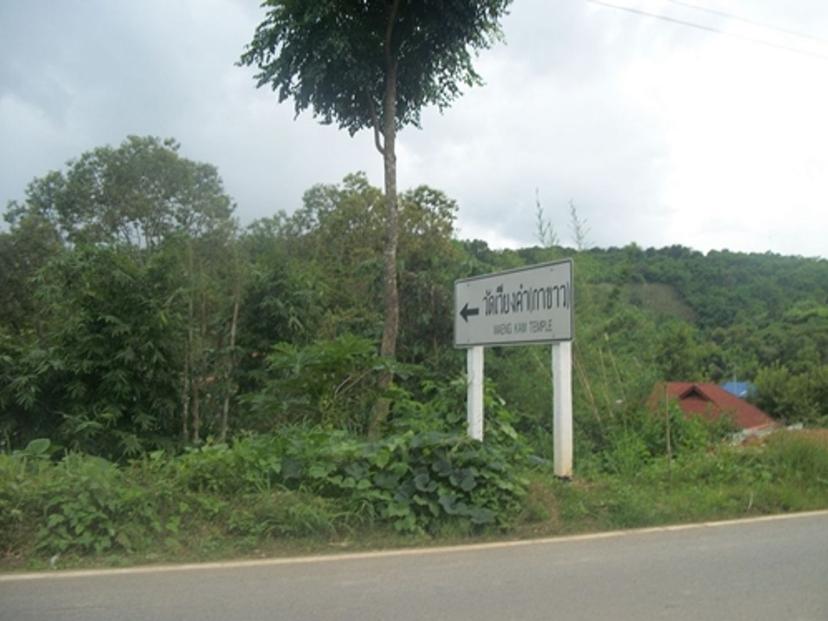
point(661, 298)
point(786, 472)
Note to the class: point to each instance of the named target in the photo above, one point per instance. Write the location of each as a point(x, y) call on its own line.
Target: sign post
point(562, 408)
point(530, 305)
point(474, 398)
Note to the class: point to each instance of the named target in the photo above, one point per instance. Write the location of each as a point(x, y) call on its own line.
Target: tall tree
point(136, 207)
point(373, 64)
point(137, 194)
point(101, 376)
point(24, 250)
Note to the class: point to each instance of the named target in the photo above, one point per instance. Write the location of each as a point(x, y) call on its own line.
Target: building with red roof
point(711, 402)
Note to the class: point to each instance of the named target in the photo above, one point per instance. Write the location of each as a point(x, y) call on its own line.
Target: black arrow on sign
point(467, 312)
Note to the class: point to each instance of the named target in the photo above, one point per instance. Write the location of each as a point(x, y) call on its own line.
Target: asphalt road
point(753, 570)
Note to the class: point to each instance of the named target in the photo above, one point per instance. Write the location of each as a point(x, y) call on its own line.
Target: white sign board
point(517, 307)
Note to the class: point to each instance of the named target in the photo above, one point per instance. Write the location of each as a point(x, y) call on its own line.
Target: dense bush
point(317, 483)
point(105, 383)
point(637, 438)
point(298, 482)
point(329, 382)
point(80, 504)
point(794, 397)
point(788, 472)
point(193, 333)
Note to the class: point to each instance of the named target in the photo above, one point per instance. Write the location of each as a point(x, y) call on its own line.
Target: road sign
point(517, 307)
point(528, 305)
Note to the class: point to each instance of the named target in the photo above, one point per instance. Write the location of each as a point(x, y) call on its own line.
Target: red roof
point(712, 401)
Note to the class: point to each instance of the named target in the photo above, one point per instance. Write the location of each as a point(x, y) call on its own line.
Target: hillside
point(96, 339)
point(172, 385)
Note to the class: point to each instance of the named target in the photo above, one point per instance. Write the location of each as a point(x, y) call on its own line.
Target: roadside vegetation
point(312, 491)
point(174, 386)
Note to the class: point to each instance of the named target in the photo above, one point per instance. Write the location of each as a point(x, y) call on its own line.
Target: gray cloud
point(660, 134)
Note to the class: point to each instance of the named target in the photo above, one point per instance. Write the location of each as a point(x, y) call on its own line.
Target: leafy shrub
point(794, 397)
point(332, 382)
point(430, 477)
point(88, 505)
point(283, 514)
point(19, 483)
point(798, 456)
point(628, 454)
point(412, 481)
point(15, 488)
point(104, 381)
point(641, 436)
point(297, 482)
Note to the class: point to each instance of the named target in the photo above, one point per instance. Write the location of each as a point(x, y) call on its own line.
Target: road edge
point(396, 552)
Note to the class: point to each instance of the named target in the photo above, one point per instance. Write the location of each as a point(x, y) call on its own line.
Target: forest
point(151, 343)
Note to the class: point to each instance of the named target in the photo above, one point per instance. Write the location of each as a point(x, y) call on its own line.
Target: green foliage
point(428, 265)
point(373, 65)
point(106, 382)
point(319, 271)
point(30, 244)
point(328, 382)
point(794, 397)
point(39, 448)
point(124, 282)
point(426, 472)
point(679, 354)
point(333, 57)
point(137, 194)
point(85, 505)
point(628, 453)
point(663, 299)
point(81, 505)
point(415, 481)
point(639, 438)
point(114, 350)
point(788, 473)
point(799, 456)
point(284, 299)
point(117, 348)
point(311, 482)
point(298, 482)
point(274, 514)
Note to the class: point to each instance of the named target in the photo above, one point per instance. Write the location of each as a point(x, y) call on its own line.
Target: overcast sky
point(659, 132)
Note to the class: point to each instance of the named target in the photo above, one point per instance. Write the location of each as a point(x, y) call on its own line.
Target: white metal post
point(474, 399)
point(562, 422)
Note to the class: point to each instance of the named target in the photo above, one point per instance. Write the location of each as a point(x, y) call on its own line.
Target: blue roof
point(743, 390)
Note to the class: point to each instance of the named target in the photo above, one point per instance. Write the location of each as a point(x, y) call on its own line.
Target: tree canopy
point(136, 194)
point(373, 63)
point(117, 349)
point(334, 56)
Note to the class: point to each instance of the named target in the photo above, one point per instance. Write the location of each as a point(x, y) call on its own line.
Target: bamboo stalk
point(231, 365)
point(607, 397)
point(667, 431)
point(579, 369)
point(615, 368)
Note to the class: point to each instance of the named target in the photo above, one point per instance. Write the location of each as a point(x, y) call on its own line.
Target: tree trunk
point(196, 413)
point(185, 400)
point(392, 296)
point(186, 380)
point(231, 365)
point(201, 379)
point(388, 347)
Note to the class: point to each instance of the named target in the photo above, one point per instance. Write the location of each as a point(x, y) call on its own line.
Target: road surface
point(754, 569)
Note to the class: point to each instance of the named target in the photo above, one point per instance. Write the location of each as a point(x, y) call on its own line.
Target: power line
point(747, 20)
point(718, 31)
